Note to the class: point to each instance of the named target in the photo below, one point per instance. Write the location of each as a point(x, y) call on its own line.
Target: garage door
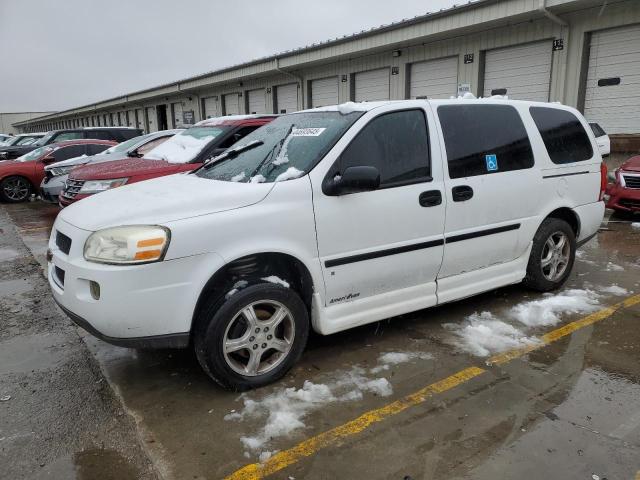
point(287, 98)
point(177, 114)
point(152, 120)
point(372, 85)
point(324, 91)
point(434, 78)
point(139, 118)
point(210, 105)
point(612, 95)
point(232, 104)
point(522, 72)
point(256, 101)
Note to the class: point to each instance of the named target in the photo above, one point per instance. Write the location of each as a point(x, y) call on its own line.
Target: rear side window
point(71, 151)
point(484, 139)
point(68, 136)
point(99, 135)
point(563, 135)
point(597, 130)
point(396, 144)
point(95, 148)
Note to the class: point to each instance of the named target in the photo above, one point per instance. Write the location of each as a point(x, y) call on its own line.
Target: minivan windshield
point(123, 146)
point(185, 146)
point(44, 140)
point(284, 149)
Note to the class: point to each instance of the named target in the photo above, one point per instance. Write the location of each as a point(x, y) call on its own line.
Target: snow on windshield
point(184, 147)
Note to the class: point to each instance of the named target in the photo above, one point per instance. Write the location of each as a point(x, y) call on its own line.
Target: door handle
point(462, 193)
point(430, 198)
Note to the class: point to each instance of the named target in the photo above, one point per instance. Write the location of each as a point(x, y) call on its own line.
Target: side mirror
point(48, 159)
point(353, 180)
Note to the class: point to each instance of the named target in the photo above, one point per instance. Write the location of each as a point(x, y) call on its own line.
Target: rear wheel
point(15, 189)
point(253, 337)
point(552, 255)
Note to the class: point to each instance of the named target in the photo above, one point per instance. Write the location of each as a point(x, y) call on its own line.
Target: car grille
point(632, 181)
point(59, 276)
point(63, 243)
point(72, 188)
point(626, 202)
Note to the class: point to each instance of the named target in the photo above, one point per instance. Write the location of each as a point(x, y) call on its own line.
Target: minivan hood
point(124, 168)
point(162, 200)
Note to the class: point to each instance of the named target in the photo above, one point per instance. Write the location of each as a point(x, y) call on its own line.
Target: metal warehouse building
point(584, 53)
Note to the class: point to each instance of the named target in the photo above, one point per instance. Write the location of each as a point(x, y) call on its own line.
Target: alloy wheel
point(258, 338)
point(556, 254)
point(16, 189)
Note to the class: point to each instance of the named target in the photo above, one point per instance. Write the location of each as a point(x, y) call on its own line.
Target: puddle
point(90, 465)
point(14, 287)
point(25, 353)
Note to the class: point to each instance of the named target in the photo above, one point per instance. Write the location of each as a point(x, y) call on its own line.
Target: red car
point(22, 176)
point(624, 194)
point(181, 153)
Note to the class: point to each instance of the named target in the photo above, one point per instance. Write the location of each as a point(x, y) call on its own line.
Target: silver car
point(56, 175)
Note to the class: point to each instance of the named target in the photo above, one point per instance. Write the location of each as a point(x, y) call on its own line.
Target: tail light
point(603, 180)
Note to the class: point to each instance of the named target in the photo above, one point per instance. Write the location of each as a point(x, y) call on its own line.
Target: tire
point(540, 274)
point(224, 322)
point(15, 189)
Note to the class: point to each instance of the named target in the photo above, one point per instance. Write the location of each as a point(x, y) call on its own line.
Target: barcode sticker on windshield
point(307, 132)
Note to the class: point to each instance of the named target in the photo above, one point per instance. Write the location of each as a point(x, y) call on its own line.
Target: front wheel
point(552, 256)
point(15, 189)
point(253, 337)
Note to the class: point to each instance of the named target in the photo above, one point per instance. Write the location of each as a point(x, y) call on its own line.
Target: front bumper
point(623, 199)
point(149, 305)
point(50, 190)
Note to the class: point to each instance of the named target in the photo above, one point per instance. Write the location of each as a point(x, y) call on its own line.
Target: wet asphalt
point(568, 410)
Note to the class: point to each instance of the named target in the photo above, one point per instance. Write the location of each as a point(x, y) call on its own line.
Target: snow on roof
point(229, 119)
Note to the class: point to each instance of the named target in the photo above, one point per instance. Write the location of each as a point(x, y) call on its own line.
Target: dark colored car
point(21, 139)
point(114, 134)
point(20, 177)
point(181, 153)
point(624, 193)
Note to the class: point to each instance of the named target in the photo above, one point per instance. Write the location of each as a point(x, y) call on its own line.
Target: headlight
point(97, 186)
point(58, 171)
point(128, 245)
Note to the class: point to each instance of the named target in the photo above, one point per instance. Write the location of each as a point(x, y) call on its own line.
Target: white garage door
point(612, 96)
point(434, 78)
point(324, 92)
point(177, 114)
point(232, 104)
point(132, 118)
point(522, 72)
point(372, 85)
point(152, 125)
point(256, 101)
point(287, 98)
point(140, 118)
point(211, 107)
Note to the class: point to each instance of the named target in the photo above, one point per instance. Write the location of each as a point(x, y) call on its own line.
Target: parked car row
point(328, 219)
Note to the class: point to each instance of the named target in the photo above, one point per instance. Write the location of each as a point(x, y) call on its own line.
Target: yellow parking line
point(308, 447)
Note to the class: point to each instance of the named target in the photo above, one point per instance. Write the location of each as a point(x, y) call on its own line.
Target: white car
point(602, 139)
point(329, 219)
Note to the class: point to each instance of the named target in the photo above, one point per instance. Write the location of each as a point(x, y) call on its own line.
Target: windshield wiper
point(275, 151)
point(232, 153)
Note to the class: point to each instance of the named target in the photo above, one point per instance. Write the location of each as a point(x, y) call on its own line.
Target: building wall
point(8, 119)
point(491, 25)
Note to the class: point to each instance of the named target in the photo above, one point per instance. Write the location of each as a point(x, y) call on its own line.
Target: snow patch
point(277, 280)
point(236, 287)
point(239, 177)
point(290, 174)
point(179, 148)
point(548, 310)
point(349, 107)
point(483, 335)
point(257, 179)
point(612, 267)
point(635, 225)
point(614, 290)
point(283, 411)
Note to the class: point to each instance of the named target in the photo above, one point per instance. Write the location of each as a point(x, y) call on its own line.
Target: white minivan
point(328, 219)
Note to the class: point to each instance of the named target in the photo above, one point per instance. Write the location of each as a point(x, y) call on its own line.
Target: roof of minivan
point(349, 107)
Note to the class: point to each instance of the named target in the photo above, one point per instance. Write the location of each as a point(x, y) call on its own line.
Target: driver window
point(396, 144)
point(66, 153)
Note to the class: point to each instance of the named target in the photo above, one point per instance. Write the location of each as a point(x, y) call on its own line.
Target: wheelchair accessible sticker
point(492, 162)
